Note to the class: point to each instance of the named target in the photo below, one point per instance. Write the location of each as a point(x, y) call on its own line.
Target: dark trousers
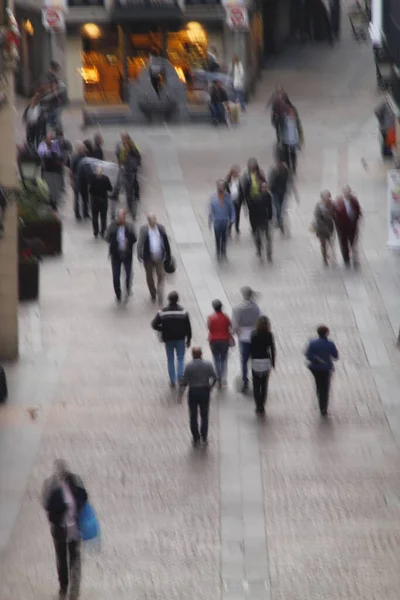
point(221, 233)
point(99, 208)
point(132, 191)
point(217, 112)
point(82, 192)
point(322, 384)
point(245, 348)
point(199, 400)
point(260, 388)
point(290, 157)
point(238, 208)
point(261, 232)
point(68, 557)
point(220, 349)
point(279, 200)
point(348, 241)
point(116, 264)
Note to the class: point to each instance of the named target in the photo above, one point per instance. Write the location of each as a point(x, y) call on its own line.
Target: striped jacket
point(173, 323)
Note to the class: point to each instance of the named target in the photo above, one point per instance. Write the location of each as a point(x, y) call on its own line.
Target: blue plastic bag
point(88, 524)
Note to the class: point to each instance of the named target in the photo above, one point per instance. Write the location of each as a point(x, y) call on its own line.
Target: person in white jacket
point(238, 77)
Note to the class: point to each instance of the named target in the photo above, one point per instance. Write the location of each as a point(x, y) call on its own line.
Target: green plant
point(32, 199)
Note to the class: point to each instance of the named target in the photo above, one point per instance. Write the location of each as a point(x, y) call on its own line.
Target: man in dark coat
point(63, 498)
point(347, 213)
point(121, 237)
point(153, 250)
point(260, 216)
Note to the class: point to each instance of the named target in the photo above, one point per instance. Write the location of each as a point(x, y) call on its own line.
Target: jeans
point(218, 112)
point(239, 97)
point(219, 349)
point(116, 263)
point(260, 388)
point(178, 347)
point(68, 558)
point(290, 154)
point(260, 232)
point(238, 207)
point(244, 358)
point(279, 200)
point(221, 234)
point(99, 207)
point(322, 384)
point(199, 399)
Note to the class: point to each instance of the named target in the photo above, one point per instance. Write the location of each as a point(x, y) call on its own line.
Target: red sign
point(53, 19)
point(237, 17)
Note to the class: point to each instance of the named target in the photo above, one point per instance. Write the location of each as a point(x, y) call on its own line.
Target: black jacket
point(99, 186)
point(97, 152)
point(55, 505)
point(173, 323)
point(260, 210)
point(218, 95)
point(263, 346)
point(113, 241)
point(278, 181)
point(143, 248)
point(240, 198)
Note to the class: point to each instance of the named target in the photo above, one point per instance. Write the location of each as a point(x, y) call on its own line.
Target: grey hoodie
point(244, 319)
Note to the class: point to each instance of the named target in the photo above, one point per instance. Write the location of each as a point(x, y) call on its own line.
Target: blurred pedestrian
point(34, 122)
point(244, 319)
point(200, 377)
point(278, 184)
point(347, 219)
point(121, 237)
point(238, 78)
point(262, 353)
point(97, 151)
point(129, 160)
point(173, 324)
point(324, 225)
point(292, 138)
point(278, 102)
point(219, 335)
point(153, 250)
point(79, 192)
point(53, 96)
point(234, 188)
point(52, 168)
point(64, 496)
point(221, 215)
point(218, 100)
point(321, 352)
point(260, 216)
point(251, 180)
point(99, 187)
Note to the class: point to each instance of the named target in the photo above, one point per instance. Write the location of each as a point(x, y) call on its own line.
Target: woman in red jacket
point(219, 334)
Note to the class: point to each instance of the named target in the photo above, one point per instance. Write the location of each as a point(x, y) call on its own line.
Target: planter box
point(48, 232)
point(28, 280)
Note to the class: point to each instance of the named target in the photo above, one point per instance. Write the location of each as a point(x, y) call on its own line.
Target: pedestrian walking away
point(200, 377)
point(260, 215)
point(99, 187)
point(76, 159)
point(233, 187)
point(244, 320)
point(278, 103)
point(347, 218)
point(173, 325)
point(292, 138)
point(153, 250)
point(221, 215)
point(323, 225)
point(121, 238)
point(34, 121)
point(97, 151)
point(52, 168)
point(262, 354)
point(278, 184)
point(218, 100)
point(63, 497)
point(251, 181)
point(238, 78)
point(220, 338)
point(129, 160)
point(320, 353)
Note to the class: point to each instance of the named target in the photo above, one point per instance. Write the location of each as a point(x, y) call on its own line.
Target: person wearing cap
point(63, 497)
point(221, 215)
point(219, 335)
point(200, 377)
point(244, 320)
point(99, 186)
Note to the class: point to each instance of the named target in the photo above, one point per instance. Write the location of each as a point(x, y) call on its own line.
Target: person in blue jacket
point(321, 352)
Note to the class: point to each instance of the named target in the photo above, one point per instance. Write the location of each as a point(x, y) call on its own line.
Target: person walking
point(260, 216)
point(221, 215)
point(244, 319)
point(219, 336)
point(278, 102)
point(262, 354)
point(53, 96)
point(52, 168)
point(173, 324)
point(218, 100)
point(200, 377)
point(79, 154)
point(320, 353)
point(251, 180)
point(238, 78)
point(97, 149)
point(292, 138)
point(129, 161)
point(153, 250)
point(99, 187)
point(324, 225)
point(234, 188)
point(63, 497)
point(278, 184)
point(347, 218)
point(34, 122)
point(121, 238)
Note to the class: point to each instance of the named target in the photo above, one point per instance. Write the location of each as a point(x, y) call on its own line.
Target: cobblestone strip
point(244, 561)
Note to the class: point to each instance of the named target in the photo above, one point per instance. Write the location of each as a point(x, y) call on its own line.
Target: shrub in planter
point(28, 276)
point(37, 219)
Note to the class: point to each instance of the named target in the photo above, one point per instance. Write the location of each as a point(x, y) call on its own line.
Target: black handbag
point(170, 265)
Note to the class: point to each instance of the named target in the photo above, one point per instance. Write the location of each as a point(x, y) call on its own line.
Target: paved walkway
point(285, 509)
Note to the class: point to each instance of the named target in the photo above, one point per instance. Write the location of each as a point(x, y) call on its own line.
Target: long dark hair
point(232, 169)
point(263, 325)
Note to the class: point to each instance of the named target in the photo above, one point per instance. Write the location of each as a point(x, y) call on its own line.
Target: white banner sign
point(53, 19)
point(237, 17)
point(393, 184)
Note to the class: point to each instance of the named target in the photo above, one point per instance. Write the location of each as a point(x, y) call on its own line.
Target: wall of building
point(72, 66)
